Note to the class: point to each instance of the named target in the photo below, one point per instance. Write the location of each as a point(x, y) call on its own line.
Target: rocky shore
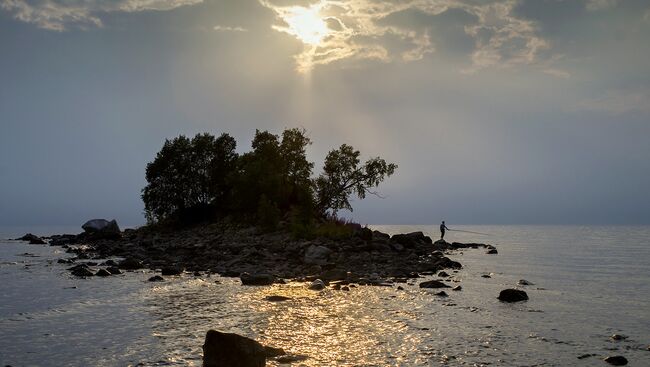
point(367, 257)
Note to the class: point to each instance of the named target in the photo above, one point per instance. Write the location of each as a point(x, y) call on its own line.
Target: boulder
point(101, 225)
point(410, 240)
point(317, 255)
point(512, 295)
point(32, 239)
point(130, 264)
point(81, 270)
point(227, 349)
point(616, 360)
point(103, 273)
point(434, 284)
point(257, 279)
point(317, 285)
point(156, 278)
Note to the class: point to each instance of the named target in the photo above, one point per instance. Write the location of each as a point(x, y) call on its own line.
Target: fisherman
point(443, 227)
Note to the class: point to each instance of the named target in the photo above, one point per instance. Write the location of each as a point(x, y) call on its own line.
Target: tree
point(343, 177)
point(188, 174)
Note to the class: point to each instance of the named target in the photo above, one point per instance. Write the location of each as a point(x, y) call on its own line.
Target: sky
point(496, 111)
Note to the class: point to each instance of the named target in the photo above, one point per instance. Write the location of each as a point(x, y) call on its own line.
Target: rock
point(442, 294)
point(457, 288)
point(347, 289)
point(227, 349)
point(81, 270)
point(317, 255)
point(32, 239)
point(486, 276)
point(114, 270)
point(442, 274)
point(271, 352)
point(103, 273)
point(492, 251)
point(130, 264)
point(257, 279)
point(400, 288)
point(434, 284)
point(156, 278)
point(616, 360)
point(618, 337)
point(317, 285)
point(171, 270)
point(290, 359)
point(525, 282)
point(276, 298)
point(512, 295)
point(101, 225)
point(410, 240)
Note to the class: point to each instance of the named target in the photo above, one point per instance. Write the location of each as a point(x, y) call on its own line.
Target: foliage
point(203, 177)
point(343, 177)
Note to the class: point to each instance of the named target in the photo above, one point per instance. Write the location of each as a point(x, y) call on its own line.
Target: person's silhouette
point(443, 227)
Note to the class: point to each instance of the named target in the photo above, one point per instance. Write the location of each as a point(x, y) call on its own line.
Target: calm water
point(590, 282)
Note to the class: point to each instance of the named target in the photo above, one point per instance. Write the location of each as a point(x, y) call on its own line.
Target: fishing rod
point(460, 230)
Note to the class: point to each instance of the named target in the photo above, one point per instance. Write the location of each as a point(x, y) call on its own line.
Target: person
point(443, 227)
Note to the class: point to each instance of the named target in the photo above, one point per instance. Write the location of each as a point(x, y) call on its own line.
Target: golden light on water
point(306, 24)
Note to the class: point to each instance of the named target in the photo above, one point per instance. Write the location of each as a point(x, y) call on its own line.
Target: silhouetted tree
point(343, 177)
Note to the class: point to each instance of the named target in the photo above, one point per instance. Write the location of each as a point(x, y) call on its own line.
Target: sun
point(306, 24)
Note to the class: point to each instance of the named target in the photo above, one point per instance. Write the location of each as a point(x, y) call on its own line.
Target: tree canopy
point(274, 180)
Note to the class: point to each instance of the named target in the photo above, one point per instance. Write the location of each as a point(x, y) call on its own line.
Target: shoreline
point(366, 258)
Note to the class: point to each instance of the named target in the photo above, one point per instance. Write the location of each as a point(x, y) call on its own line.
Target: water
point(590, 282)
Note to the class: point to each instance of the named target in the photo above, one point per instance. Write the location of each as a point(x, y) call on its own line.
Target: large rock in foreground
point(512, 295)
point(226, 349)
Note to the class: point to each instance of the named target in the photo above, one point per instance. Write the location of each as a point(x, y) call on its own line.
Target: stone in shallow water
point(512, 295)
point(433, 284)
point(317, 285)
point(616, 360)
point(102, 273)
point(457, 288)
point(276, 298)
point(156, 278)
point(227, 349)
point(618, 337)
point(525, 282)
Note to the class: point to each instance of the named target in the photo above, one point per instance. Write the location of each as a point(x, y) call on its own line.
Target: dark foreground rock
point(616, 360)
point(512, 295)
point(227, 349)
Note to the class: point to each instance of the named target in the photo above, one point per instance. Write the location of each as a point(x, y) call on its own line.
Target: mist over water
point(589, 282)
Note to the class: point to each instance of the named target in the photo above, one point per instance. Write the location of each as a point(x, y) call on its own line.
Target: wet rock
point(291, 358)
point(400, 288)
point(443, 274)
point(32, 239)
point(156, 278)
point(130, 263)
point(616, 360)
point(276, 298)
point(257, 279)
point(618, 337)
point(171, 270)
point(433, 284)
point(102, 273)
point(492, 251)
point(317, 285)
point(525, 282)
point(347, 289)
point(114, 270)
point(197, 274)
point(457, 288)
point(317, 255)
point(486, 276)
point(442, 294)
point(81, 270)
point(227, 349)
point(512, 295)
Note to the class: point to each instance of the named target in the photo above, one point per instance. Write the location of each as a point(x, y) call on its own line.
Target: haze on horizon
point(496, 111)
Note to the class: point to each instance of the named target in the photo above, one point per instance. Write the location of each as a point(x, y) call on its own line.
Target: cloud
point(619, 101)
point(58, 15)
point(222, 28)
point(595, 5)
point(487, 33)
